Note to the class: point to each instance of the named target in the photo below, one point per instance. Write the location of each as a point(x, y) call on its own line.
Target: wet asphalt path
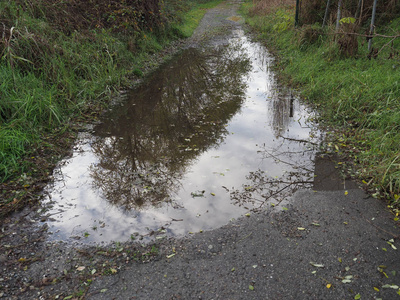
point(325, 245)
point(303, 252)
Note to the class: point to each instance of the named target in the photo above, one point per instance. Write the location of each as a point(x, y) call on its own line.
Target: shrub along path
point(326, 245)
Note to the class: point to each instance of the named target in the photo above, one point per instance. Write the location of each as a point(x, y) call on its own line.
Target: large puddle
point(207, 138)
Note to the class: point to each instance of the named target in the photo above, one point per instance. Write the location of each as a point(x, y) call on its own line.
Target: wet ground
point(209, 137)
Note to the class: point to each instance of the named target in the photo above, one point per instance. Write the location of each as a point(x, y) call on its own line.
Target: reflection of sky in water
point(78, 208)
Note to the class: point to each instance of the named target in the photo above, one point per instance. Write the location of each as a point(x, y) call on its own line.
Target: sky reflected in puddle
point(207, 138)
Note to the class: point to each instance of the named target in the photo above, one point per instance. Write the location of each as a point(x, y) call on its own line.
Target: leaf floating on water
point(317, 265)
point(197, 194)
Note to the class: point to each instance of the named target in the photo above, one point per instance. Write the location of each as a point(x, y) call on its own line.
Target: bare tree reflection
point(282, 108)
point(146, 145)
point(262, 187)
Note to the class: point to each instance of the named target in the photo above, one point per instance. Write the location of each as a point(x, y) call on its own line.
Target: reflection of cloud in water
point(203, 122)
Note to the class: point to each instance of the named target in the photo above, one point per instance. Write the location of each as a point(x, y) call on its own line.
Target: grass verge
point(357, 92)
point(59, 69)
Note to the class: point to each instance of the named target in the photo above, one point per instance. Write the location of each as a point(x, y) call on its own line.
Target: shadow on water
point(208, 137)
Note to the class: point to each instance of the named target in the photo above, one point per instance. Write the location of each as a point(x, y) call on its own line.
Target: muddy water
point(207, 138)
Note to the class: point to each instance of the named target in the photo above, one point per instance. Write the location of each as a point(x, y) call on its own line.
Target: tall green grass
point(357, 96)
point(50, 77)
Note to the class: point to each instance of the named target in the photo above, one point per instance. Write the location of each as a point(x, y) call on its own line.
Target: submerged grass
point(358, 92)
point(54, 73)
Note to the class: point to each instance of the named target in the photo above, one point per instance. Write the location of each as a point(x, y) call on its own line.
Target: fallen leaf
point(358, 296)
point(339, 259)
point(251, 288)
point(376, 289)
point(93, 271)
point(301, 228)
point(346, 193)
point(391, 286)
point(103, 291)
point(171, 255)
point(81, 268)
point(212, 194)
point(346, 280)
point(328, 285)
point(113, 271)
point(317, 265)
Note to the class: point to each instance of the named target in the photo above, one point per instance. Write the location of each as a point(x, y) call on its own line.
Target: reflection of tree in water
point(282, 112)
point(262, 187)
point(146, 145)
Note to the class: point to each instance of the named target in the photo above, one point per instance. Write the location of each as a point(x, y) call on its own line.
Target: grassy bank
point(357, 91)
point(61, 64)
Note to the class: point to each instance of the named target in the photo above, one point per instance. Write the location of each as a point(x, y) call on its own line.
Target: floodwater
point(208, 137)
